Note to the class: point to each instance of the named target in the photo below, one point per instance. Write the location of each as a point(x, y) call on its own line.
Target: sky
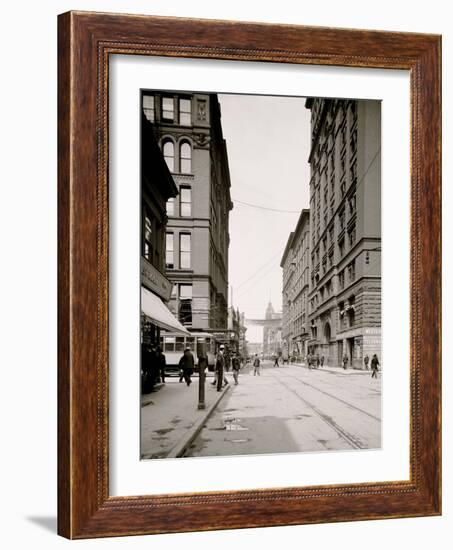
point(268, 142)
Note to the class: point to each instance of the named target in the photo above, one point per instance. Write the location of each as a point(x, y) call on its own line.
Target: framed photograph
point(249, 275)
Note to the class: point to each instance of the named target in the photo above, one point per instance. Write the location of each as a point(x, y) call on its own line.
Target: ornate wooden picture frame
point(85, 507)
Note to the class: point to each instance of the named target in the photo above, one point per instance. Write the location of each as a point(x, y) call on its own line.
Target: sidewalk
point(336, 370)
point(170, 418)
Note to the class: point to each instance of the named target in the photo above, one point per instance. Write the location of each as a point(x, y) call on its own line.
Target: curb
point(180, 448)
point(340, 371)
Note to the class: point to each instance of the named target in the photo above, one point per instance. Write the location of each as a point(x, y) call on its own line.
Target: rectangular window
point(185, 112)
point(341, 247)
point(353, 171)
point(351, 234)
point(180, 344)
point(169, 251)
point(184, 250)
point(331, 259)
point(185, 305)
point(341, 279)
point(352, 204)
point(148, 239)
point(351, 271)
point(148, 107)
point(342, 219)
point(185, 197)
point(168, 109)
point(169, 343)
point(171, 207)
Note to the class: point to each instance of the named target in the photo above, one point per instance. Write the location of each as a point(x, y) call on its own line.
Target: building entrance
point(350, 350)
point(340, 353)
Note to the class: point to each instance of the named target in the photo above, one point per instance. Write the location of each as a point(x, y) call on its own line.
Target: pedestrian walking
point(318, 361)
point(366, 360)
point(322, 360)
point(256, 365)
point(276, 361)
point(308, 361)
point(219, 367)
point(374, 366)
point(236, 365)
point(187, 364)
point(181, 370)
point(146, 369)
point(345, 361)
point(161, 363)
point(227, 362)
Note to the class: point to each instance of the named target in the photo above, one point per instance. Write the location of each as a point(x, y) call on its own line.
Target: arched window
point(169, 155)
point(185, 158)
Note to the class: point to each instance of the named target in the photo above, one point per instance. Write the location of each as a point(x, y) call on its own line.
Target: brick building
point(187, 127)
point(296, 266)
point(157, 188)
point(344, 299)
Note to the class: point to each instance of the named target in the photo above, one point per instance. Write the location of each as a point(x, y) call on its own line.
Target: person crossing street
point(236, 365)
point(256, 365)
point(374, 366)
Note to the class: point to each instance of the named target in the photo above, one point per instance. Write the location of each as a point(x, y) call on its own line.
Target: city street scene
point(260, 274)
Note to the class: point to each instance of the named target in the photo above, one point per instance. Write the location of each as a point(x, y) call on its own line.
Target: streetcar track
point(336, 374)
point(354, 442)
point(335, 397)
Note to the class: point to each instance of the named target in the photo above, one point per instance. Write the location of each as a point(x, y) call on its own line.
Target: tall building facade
point(188, 130)
point(344, 299)
point(296, 268)
point(157, 188)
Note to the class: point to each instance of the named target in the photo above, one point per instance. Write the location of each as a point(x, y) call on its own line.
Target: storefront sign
point(153, 279)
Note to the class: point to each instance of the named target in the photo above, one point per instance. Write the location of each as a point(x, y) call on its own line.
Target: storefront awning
point(154, 308)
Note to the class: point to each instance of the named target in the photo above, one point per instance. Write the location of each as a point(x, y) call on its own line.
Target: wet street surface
point(290, 409)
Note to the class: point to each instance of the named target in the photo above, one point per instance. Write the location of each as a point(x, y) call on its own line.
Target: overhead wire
point(260, 207)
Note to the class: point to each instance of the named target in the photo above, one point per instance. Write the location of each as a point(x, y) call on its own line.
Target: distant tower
point(269, 311)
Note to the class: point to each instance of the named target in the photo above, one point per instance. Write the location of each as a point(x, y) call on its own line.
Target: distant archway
point(327, 333)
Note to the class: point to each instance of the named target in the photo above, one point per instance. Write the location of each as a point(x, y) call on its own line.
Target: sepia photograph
point(260, 274)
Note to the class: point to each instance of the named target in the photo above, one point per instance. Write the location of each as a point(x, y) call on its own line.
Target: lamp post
point(202, 363)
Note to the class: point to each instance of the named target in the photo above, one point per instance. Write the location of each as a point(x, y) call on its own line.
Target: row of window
point(174, 110)
point(185, 249)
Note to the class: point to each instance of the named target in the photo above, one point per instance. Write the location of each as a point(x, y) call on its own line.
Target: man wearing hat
point(219, 367)
point(187, 364)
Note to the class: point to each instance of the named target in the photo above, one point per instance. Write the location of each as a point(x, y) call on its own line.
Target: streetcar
point(173, 346)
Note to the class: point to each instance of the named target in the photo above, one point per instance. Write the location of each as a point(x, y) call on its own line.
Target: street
point(291, 409)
